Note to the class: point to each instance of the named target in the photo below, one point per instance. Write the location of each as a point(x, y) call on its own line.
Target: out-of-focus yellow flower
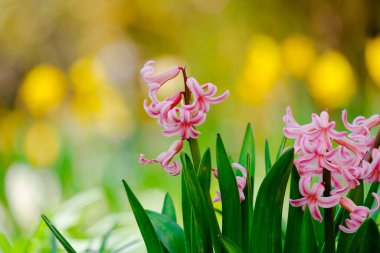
point(299, 54)
point(261, 71)
point(41, 144)
point(97, 102)
point(43, 89)
point(331, 80)
point(372, 57)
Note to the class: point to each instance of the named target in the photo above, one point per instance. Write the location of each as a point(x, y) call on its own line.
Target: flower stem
point(329, 216)
point(193, 143)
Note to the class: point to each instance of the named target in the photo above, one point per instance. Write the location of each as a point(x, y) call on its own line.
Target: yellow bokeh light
point(10, 124)
point(331, 80)
point(261, 71)
point(372, 57)
point(299, 54)
point(43, 89)
point(41, 144)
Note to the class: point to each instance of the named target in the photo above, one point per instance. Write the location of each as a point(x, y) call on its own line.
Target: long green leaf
point(204, 177)
point(168, 208)
point(281, 148)
point(5, 246)
point(307, 241)
point(247, 160)
point(186, 214)
point(230, 246)
point(369, 199)
point(198, 204)
point(231, 219)
point(168, 232)
point(366, 239)
point(268, 163)
point(58, 235)
point(356, 195)
point(145, 225)
point(267, 216)
point(295, 216)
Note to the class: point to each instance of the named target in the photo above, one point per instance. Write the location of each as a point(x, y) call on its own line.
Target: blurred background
point(72, 124)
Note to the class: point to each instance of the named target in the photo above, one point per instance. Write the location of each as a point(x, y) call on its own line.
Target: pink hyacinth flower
point(182, 122)
point(313, 197)
point(372, 170)
point(360, 126)
point(240, 180)
point(357, 213)
point(204, 95)
point(165, 158)
point(149, 75)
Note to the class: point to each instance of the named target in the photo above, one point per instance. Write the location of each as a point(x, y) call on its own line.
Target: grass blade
point(230, 246)
point(66, 245)
point(267, 216)
point(231, 219)
point(105, 238)
point(168, 232)
point(168, 208)
point(268, 163)
point(145, 225)
point(295, 216)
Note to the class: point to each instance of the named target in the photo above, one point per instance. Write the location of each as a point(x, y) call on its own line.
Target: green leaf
point(268, 163)
point(168, 208)
point(145, 225)
point(295, 216)
point(247, 160)
point(58, 235)
point(186, 214)
point(198, 202)
point(370, 199)
point(230, 246)
point(366, 239)
point(231, 219)
point(5, 246)
point(307, 242)
point(267, 216)
point(168, 232)
point(281, 148)
point(204, 177)
point(356, 195)
point(105, 238)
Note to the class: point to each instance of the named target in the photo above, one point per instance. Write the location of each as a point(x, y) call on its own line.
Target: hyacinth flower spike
point(357, 213)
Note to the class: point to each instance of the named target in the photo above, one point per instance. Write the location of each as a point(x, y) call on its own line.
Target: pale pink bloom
point(204, 95)
point(182, 122)
point(357, 213)
point(371, 170)
point(240, 180)
point(313, 197)
point(360, 127)
point(165, 158)
point(149, 75)
point(160, 109)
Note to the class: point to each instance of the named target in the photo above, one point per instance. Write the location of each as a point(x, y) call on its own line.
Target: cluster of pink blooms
point(345, 161)
point(240, 180)
point(173, 114)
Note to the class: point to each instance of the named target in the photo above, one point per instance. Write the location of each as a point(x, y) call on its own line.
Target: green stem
point(193, 143)
point(329, 216)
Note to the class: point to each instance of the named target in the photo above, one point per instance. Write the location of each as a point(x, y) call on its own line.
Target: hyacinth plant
point(327, 208)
